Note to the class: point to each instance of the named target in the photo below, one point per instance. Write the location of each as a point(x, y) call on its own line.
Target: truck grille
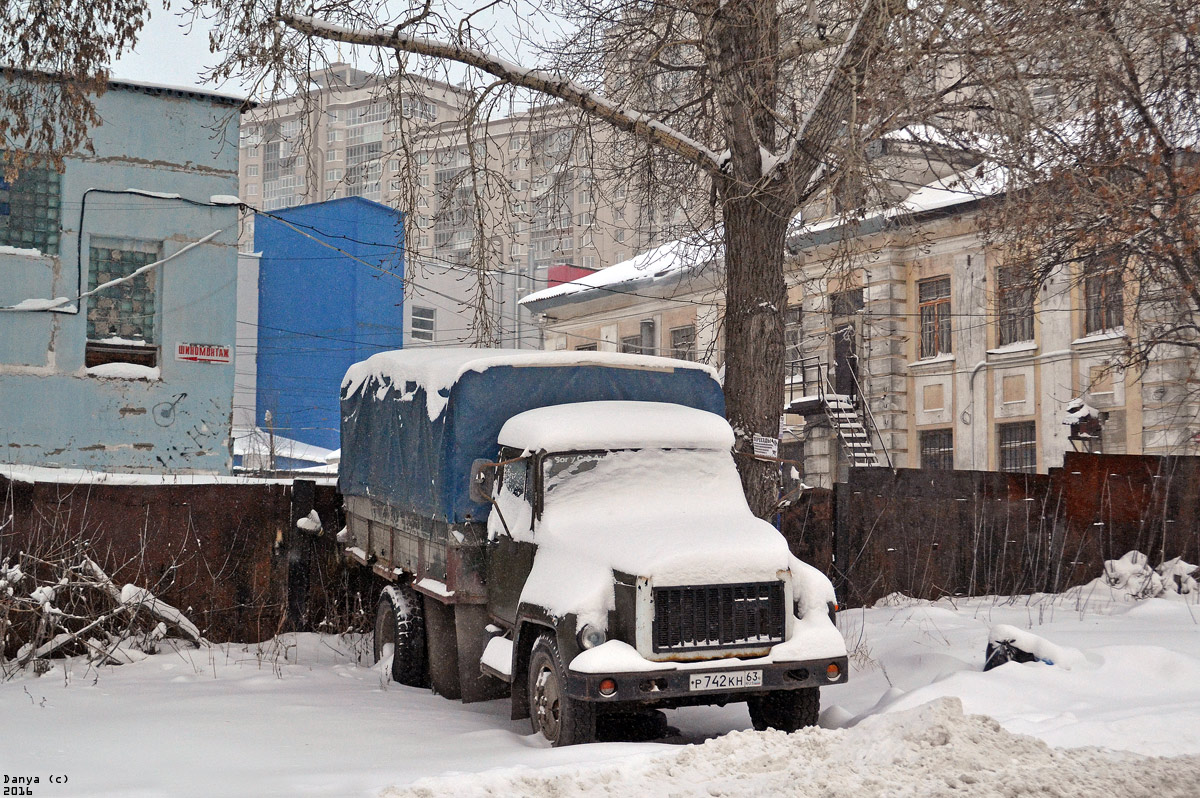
point(718, 616)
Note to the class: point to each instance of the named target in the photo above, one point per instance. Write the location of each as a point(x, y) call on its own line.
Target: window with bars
point(1014, 305)
point(933, 298)
point(1104, 302)
point(122, 319)
point(1017, 444)
point(937, 448)
point(793, 348)
point(29, 210)
point(683, 342)
point(846, 303)
point(424, 323)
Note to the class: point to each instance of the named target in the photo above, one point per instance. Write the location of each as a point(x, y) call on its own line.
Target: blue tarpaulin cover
point(393, 452)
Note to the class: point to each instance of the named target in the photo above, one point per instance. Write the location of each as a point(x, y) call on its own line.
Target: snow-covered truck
point(569, 529)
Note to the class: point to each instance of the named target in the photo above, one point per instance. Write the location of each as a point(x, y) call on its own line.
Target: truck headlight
point(591, 636)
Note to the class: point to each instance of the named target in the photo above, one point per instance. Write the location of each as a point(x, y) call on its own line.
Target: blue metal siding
point(321, 310)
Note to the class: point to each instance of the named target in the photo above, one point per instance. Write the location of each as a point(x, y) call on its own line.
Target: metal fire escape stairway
point(810, 376)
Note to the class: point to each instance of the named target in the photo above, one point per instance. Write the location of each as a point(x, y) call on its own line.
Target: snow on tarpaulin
point(414, 420)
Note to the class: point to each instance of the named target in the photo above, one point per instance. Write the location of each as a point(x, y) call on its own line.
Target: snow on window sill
point(1113, 336)
point(931, 363)
point(125, 371)
point(1015, 348)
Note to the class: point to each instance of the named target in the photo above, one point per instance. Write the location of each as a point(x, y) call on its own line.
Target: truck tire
point(785, 710)
point(561, 720)
point(400, 633)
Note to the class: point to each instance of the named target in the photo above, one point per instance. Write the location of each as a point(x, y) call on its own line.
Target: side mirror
point(483, 480)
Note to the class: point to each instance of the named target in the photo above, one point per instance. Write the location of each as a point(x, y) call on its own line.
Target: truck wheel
point(785, 710)
point(561, 720)
point(400, 634)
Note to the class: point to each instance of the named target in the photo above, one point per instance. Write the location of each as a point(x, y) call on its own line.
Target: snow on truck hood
point(584, 426)
point(677, 517)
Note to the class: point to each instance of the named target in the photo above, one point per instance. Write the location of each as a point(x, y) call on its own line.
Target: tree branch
point(538, 80)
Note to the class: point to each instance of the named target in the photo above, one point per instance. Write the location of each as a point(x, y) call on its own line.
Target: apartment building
point(490, 205)
point(943, 357)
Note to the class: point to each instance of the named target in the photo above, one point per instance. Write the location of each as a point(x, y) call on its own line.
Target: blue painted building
point(331, 293)
point(117, 300)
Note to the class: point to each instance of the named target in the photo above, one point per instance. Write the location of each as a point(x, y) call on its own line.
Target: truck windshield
point(558, 469)
point(661, 479)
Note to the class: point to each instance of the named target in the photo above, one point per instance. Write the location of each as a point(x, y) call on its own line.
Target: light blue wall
point(52, 410)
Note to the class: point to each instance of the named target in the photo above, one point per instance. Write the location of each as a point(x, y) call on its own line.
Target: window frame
point(1017, 454)
point(677, 334)
point(101, 349)
point(936, 448)
point(1015, 295)
point(35, 195)
point(933, 317)
point(421, 332)
point(1108, 291)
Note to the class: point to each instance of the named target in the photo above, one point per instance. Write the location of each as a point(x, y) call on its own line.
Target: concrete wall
point(176, 417)
point(321, 309)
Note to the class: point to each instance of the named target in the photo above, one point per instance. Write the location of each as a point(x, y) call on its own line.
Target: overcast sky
point(167, 53)
point(170, 52)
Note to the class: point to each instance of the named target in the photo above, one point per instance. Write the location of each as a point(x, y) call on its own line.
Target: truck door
point(510, 561)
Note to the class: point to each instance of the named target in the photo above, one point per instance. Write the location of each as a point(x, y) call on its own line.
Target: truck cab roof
point(607, 425)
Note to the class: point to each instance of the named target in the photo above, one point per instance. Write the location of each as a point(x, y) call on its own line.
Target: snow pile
point(934, 750)
point(1132, 578)
point(1079, 411)
point(1039, 647)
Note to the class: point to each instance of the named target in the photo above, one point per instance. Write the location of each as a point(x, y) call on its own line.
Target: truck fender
point(532, 622)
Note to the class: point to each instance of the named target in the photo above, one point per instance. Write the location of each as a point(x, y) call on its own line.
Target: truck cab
point(627, 571)
point(568, 529)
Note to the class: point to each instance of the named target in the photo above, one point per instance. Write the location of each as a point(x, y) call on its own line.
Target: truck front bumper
point(677, 684)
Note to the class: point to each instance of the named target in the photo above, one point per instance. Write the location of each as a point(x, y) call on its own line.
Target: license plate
point(735, 680)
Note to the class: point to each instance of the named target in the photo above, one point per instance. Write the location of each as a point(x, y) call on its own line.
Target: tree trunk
point(755, 300)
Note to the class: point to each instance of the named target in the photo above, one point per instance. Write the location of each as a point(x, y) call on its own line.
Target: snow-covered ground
point(300, 716)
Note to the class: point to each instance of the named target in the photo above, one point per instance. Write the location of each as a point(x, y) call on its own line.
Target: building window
point(121, 319)
point(933, 297)
point(1104, 302)
point(937, 448)
point(586, 348)
point(1014, 300)
point(793, 348)
point(683, 342)
point(252, 170)
point(29, 210)
point(846, 303)
point(1018, 446)
point(632, 344)
point(424, 322)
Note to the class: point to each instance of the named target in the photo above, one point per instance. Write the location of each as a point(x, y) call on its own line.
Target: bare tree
point(1090, 110)
point(55, 62)
point(761, 95)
